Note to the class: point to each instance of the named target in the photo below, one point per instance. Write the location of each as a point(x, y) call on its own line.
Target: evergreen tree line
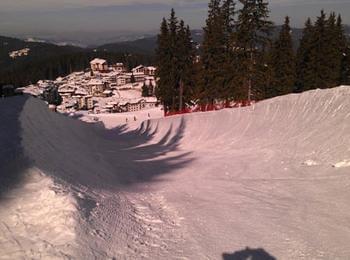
point(239, 59)
point(174, 58)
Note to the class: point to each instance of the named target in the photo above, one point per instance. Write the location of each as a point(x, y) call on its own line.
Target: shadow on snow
point(248, 254)
point(82, 154)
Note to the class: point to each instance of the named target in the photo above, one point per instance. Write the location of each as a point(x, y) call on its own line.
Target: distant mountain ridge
point(148, 45)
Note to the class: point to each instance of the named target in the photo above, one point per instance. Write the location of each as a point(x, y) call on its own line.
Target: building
point(151, 102)
point(138, 70)
point(66, 92)
point(123, 79)
point(150, 71)
point(99, 65)
point(139, 77)
point(84, 102)
point(19, 53)
point(137, 105)
point(95, 87)
point(119, 67)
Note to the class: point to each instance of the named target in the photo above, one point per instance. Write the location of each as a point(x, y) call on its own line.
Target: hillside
point(37, 50)
point(48, 61)
point(273, 177)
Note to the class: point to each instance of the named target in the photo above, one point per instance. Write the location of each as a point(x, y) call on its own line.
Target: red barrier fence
point(211, 107)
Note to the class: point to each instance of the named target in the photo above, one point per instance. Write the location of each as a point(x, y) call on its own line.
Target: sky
point(83, 16)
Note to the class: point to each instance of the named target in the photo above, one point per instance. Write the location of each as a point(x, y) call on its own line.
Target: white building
point(84, 102)
point(95, 87)
point(99, 65)
point(139, 69)
point(150, 71)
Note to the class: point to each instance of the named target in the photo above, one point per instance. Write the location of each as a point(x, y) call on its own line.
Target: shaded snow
point(272, 177)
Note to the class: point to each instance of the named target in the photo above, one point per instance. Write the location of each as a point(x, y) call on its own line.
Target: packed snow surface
point(271, 180)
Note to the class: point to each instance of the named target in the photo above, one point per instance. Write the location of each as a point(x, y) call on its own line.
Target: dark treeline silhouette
point(240, 59)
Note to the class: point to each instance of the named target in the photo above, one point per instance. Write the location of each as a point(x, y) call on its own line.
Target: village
point(101, 89)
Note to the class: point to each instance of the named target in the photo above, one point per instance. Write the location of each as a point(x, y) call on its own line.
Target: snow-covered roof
point(98, 61)
point(151, 99)
point(138, 67)
point(95, 82)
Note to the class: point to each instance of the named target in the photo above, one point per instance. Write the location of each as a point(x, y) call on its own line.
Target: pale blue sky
point(58, 16)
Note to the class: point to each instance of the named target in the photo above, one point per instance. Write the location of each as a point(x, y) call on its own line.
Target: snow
point(342, 164)
point(37, 221)
point(198, 186)
point(98, 61)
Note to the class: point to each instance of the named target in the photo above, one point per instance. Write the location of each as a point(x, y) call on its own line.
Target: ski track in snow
point(274, 176)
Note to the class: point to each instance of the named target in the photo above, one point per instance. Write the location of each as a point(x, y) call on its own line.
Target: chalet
point(99, 65)
point(150, 71)
point(139, 70)
point(119, 67)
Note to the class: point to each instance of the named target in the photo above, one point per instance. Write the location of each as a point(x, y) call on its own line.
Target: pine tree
point(145, 90)
point(164, 90)
point(283, 62)
point(344, 52)
point(213, 53)
point(228, 20)
point(252, 40)
point(186, 55)
point(334, 50)
point(229, 69)
point(174, 55)
point(303, 56)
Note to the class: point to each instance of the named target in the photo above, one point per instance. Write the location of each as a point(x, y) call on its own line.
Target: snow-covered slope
point(202, 186)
